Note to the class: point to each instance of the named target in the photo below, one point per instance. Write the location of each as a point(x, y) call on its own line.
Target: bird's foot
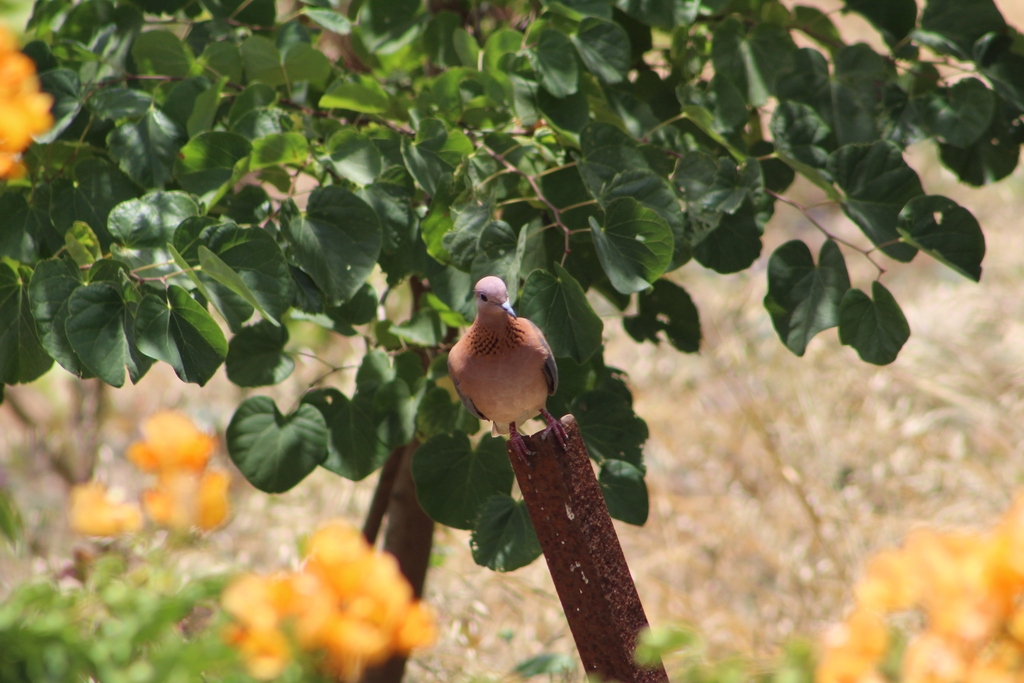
point(519, 445)
point(555, 427)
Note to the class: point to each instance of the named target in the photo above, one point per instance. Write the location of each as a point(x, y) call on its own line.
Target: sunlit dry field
point(772, 477)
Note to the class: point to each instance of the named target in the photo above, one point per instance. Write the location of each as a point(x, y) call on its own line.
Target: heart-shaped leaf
point(273, 451)
point(876, 329)
point(946, 231)
point(256, 356)
point(178, 331)
point(504, 538)
point(634, 245)
point(558, 305)
point(453, 480)
point(803, 298)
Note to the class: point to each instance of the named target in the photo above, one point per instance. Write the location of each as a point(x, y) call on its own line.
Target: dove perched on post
point(503, 368)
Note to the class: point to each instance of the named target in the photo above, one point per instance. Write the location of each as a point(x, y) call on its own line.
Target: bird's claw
point(519, 445)
point(555, 427)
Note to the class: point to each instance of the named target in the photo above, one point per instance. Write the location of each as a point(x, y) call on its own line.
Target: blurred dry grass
point(771, 477)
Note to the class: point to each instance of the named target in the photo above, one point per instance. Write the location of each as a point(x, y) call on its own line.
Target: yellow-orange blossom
point(186, 494)
point(24, 111)
point(969, 589)
point(348, 604)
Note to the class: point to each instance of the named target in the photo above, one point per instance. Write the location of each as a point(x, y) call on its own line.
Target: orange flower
point(348, 603)
point(969, 589)
point(24, 111)
point(213, 499)
point(93, 513)
point(265, 651)
point(171, 443)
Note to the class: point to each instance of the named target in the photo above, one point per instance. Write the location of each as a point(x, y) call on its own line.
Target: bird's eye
point(483, 297)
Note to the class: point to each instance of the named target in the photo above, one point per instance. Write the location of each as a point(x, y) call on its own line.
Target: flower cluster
point(349, 606)
point(969, 588)
point(24, 111)
point(186, 494)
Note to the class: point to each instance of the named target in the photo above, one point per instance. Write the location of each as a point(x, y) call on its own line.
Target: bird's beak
point(508, 309)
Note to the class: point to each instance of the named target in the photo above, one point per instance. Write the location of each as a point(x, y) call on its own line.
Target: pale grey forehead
point(492, 286)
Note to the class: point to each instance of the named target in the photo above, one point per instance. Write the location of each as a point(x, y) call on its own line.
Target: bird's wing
point(466, 400)
point(550, 366)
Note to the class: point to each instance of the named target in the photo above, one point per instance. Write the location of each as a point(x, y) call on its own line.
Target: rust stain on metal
point(583, 555)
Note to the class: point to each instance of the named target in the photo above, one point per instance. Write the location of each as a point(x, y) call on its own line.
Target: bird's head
point(492, 298)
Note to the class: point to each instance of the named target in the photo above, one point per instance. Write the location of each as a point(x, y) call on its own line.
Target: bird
point(503, 368)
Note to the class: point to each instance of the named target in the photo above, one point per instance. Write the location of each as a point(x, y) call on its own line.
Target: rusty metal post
point(584, 557)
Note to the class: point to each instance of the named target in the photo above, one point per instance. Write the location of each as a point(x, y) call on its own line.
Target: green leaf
point(256, 356)
point(894, 19)
point(208, 161)
point(610, 428)
point(82, 243)
point(438, 39)
point(962, 22)
point(354, 156)
point(337, 242)
point(666, 307)
point(395, 406)
point(181, 333)
point(278, 149)
point(11, 526)
point(570, 114)
point(454, 481)
point(217, 269)
point(101, 329)
point(388, 25)
point(53, 282)
point(878, 183)
point(991, 157)
point(604, 48)
point(946, 231)
point(500, 252)
point(556, 65)
point(303, 62)
point(205, 108)
point(625, 492)
point(424, 328)
point(876, 329)
point(557, 304)
point(803, 298)
point(550, 663)
point(751, 60)
point(363, 95)
point(147, 149)
point(162, 53)
point(634, 245)
point(120, 103)
point(65, 87)
point(151, 220)
point(99, 186)
point(262, 61)
point(734, 244)
point(801, 138)
point(961, 113)
point(330, 19)
point(255, 12)
point(222, 59)
point(353, 449)
point(275, 452)
point(504, 539)
point(1000, 60)
point(437, 414)
point(22, 357)
point(847, 100)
